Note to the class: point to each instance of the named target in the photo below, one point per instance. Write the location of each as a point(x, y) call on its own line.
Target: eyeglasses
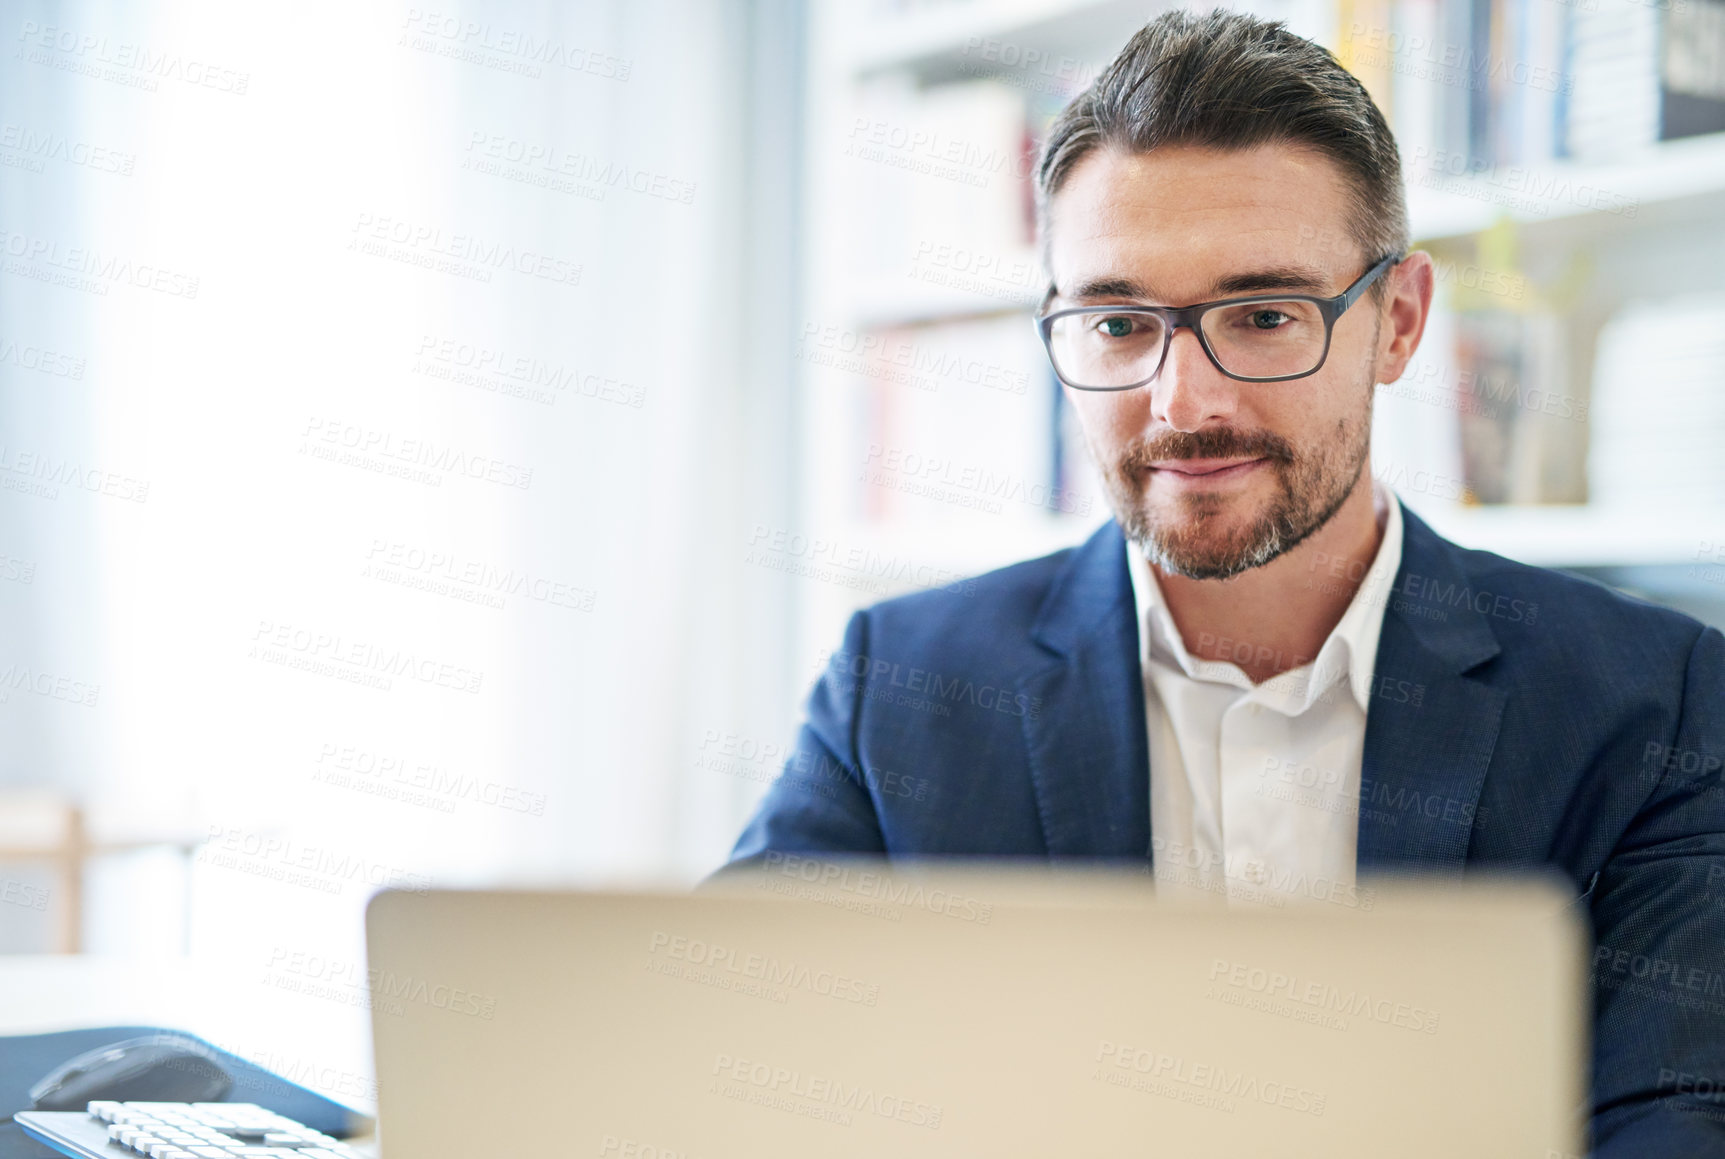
point(1267, 338)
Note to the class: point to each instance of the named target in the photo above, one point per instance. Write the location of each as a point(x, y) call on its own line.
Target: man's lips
point(1199, 468)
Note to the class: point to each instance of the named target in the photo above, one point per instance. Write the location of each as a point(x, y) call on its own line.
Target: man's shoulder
point(1538, 611)
point(1020, 587)
point(1540, 616)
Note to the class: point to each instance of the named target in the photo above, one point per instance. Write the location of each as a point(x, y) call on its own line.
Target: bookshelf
point(1682, 181)
point(1585, 220)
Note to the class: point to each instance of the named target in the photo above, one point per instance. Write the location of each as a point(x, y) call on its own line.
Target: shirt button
point(1256, 709)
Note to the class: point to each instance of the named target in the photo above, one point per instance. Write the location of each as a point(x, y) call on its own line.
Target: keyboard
point(108, 1130)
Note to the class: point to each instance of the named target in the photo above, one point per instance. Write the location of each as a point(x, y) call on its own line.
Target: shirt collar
point(1351, 647)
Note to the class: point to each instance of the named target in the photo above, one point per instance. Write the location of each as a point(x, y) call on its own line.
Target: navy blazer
point(1519, 717)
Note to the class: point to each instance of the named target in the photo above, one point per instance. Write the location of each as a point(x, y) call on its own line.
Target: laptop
point(845, 1008)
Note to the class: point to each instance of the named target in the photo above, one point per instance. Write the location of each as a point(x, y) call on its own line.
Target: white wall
point(196, 548)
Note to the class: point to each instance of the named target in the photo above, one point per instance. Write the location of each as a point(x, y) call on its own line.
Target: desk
point(319, 1043)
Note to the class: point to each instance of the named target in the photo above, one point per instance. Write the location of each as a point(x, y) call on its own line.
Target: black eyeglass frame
point(1173, 317)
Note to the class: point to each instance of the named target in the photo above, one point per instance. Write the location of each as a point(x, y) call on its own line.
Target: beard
point(1196, 534)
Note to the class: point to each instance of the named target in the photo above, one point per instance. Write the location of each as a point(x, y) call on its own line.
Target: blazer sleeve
point(820, 803)
point(1659, 957)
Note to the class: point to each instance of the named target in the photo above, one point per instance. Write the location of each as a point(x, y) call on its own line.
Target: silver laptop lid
point(841, 1010)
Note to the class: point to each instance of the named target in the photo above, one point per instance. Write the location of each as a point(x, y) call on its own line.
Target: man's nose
point(1190, 392)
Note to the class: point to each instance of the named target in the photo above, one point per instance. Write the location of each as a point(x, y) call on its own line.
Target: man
point(1266, 676)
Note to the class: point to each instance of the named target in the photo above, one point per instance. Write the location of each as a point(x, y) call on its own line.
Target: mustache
point(1221, 443)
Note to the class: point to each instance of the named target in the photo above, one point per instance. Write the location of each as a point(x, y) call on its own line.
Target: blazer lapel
point(1084, 732)
point(1431, 729)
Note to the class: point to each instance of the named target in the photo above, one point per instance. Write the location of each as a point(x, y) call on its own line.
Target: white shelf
point(1581, 535)
point(1621, 193)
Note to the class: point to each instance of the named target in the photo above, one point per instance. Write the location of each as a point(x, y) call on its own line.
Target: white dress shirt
point(1255, 789)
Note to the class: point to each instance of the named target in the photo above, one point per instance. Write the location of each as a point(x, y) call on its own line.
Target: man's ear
point(1408, 302)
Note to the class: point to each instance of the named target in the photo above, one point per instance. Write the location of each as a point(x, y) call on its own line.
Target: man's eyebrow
point(1302, 279)
point(1111, 286)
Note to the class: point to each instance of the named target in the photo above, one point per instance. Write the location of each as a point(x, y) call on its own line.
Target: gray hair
point(1227, 81)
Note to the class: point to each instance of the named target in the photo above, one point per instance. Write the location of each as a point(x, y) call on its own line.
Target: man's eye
point(1115, 326)
point(1267, 319)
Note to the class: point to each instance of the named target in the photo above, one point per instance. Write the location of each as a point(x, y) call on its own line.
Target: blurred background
point(440, 446)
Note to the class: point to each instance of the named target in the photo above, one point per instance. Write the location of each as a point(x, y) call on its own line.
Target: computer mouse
point(162, 1068)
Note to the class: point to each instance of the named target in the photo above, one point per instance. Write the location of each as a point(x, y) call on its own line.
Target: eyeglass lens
point(1252, 339)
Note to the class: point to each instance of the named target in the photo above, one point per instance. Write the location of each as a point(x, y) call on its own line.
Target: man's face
point(1208, 474)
